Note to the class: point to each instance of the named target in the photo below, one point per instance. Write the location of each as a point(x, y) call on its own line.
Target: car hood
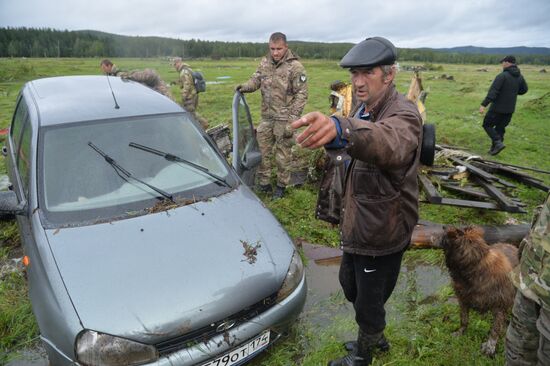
point(155, 276)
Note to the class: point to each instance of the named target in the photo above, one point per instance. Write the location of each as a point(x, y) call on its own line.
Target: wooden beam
point(470, 204)
point(503, 201)
point(467, 191)
point(515, 166)
point(432, 194)
point(519, 176)
point(474, 170)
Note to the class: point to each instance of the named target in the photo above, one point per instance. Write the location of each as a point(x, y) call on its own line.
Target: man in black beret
point(380, 202)
point(502, 96)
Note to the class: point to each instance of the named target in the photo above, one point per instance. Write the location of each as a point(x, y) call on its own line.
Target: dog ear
point(451, 231)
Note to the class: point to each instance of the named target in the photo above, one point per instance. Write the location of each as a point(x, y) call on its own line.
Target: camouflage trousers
point(276, 141)
point(528, 335)
point(190, 105)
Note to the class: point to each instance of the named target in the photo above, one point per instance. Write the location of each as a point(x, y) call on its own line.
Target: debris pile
point(474, 177)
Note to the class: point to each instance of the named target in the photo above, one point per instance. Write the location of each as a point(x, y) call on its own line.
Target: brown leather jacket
point(380, 204)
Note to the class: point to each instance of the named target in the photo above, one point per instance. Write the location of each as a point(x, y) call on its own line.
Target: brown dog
point(479, 274)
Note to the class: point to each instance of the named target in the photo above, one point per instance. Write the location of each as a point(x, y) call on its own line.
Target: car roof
point(67, 99)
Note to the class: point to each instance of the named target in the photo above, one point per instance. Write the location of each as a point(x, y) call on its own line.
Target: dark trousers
point(495, 125)
point(368, 283)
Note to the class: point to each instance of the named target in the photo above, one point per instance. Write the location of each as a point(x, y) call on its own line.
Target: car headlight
point(293, 277)
point(98, 349)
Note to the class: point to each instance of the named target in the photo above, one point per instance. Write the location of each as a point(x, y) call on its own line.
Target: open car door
point(246, 152)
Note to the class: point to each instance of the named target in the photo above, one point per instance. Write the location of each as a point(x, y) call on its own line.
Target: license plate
point(244, 351)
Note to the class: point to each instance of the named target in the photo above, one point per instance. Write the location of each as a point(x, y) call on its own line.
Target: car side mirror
point(251, 159)
point(10, 205)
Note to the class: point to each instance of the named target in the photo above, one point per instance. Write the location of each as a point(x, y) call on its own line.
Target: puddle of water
point(35, 356)
point(418, 284)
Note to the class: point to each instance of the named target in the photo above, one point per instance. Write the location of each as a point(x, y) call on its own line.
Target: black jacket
point(504, 91)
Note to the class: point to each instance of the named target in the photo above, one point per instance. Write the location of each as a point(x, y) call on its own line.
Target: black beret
point(371, 52)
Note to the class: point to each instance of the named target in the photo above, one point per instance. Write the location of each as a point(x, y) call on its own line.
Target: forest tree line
point(46, 42)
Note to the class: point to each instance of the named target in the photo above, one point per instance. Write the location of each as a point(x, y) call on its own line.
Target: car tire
point(427, 152)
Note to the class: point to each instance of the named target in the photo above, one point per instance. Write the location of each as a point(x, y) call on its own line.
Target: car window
point(246, 152)
point(77, 183)
point(17, 122)
point(24, 156)
point(21, 134)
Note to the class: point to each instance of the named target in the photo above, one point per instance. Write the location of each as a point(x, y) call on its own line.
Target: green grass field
point(422, 335)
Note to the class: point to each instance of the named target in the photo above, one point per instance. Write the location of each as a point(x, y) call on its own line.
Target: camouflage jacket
point(148, 77)
point(532, 275)
point(189, 96)
point(114, 71)
point(283, 86)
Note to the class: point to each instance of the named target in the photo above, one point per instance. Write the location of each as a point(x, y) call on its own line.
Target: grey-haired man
point(380, 202)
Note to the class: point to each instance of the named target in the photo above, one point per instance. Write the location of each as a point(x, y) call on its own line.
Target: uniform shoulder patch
point(303, 78)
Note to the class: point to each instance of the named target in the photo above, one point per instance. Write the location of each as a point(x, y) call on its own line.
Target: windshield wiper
point(124, 174)
point(172, 157)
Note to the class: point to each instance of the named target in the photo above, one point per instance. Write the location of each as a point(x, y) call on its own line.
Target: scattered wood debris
point(475, 178)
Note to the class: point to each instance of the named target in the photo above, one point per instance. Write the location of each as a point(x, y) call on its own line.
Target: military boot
point(264, 188)
point(279, 193)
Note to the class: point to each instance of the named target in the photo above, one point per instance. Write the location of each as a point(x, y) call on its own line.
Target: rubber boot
point(361, 356)
point(383, 345)
point(499, 146)
point(494, 135)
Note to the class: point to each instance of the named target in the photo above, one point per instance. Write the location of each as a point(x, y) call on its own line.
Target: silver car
point(144, 245)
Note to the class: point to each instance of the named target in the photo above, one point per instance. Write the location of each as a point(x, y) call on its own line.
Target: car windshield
point(92, 170)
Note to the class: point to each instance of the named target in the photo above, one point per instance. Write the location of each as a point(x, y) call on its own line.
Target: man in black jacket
point(502, 96)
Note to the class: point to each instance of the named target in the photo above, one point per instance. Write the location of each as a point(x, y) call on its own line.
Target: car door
point(246, 152)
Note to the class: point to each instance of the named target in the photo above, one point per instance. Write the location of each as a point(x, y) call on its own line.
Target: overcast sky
point(408, 23)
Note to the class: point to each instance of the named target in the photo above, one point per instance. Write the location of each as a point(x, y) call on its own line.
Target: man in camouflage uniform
point(283, 84)
point(109, 68)
point(147, 77)
point(189, 95)
point(528, 335)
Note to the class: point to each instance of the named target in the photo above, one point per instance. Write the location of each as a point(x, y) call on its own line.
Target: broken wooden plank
point(503, 201)
point(474, 170)
point(469, 203)
point(432, 194)
point(515, 166)
point(467, 191)
point(514, 174)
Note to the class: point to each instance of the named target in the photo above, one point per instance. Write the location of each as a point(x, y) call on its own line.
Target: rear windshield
point(78, 184)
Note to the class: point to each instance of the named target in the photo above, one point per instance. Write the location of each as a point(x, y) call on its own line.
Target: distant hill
point(520, 50)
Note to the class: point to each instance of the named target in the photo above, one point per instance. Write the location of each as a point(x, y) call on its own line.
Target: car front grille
point(206, 333)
